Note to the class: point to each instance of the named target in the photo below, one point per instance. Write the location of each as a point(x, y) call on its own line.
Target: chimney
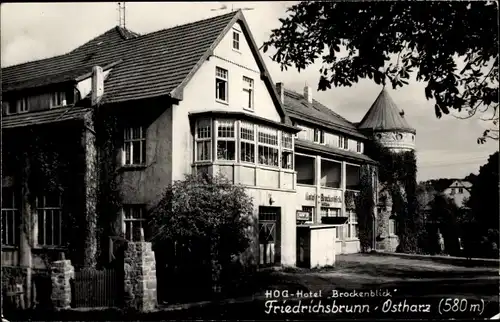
point(281, 92)
point(308, 95)
point(97, 84)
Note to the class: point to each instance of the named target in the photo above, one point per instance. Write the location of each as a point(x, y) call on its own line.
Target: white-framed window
point(460, 190)
point(319, 136)
point(392, 227)
point(359, 147)
point(221, 81)
point(248, 93)
point(286, 150)
point(236, 39)
point(57, 99)
point(330, 212)
point(22, 105)
point(11, 217)
point(134, 145)
point(309, 209)
point(226, 140)
point(352, 225)
point(268, 146)
point(133, 220)
point(203, 138)
point(247, 142)
point(49, 220)
point(343, 142)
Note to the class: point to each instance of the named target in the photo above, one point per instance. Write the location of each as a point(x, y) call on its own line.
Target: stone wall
point(140, 277)
point(61, 274)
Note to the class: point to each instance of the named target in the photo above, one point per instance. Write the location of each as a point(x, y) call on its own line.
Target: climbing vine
point(397, 174)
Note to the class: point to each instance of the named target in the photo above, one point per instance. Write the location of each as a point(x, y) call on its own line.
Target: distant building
point(459, 191)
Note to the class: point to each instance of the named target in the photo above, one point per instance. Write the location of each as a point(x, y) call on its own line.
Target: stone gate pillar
point(140, 277)
point(61, 274)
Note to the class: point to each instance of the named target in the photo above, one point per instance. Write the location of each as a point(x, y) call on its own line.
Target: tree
point(422, 37)
point(207, 220)
point(484, 199)
point(445, 212)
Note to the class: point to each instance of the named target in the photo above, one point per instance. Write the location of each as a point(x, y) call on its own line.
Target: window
point(330, 212)
point(352, 226)
point(248, 92)
point(346, 143)
point(247, 142)
point(305, 167)
point(310, 210)
point(134, 146)
point(203, 138)
point(460, 190)
point(319, 136)
point(58, 99)
point(286, 151)
point(133, 219)
point(49, 220)
point(22, 105)
point(330, 174)
point(221, 84)
point(352, 177)
point(11, 217)
point(268, 146)
point(358, 147)
point(452, 191)
point(226, 143)
point(236, 40)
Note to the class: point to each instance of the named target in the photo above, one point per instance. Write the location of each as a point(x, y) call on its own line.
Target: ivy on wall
point(397, 174)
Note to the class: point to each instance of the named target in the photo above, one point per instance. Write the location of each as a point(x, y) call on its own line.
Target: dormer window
point(22, 105)
point(319, 136)
point(58, 99)
point(236, 39)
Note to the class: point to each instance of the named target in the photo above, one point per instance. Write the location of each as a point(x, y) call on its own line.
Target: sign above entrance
point(330, 199)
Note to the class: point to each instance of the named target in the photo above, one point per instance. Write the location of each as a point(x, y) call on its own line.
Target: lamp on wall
point(271, 200)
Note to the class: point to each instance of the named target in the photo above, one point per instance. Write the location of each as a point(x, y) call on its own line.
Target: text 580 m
point(456, 305)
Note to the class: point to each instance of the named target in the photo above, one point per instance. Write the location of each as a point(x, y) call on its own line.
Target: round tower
point(386, 123)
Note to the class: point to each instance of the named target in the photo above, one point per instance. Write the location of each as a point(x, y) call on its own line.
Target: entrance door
point(269, 224)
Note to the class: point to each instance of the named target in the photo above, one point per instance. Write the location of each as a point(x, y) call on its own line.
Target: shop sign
point(303, 215)
point(325, 199)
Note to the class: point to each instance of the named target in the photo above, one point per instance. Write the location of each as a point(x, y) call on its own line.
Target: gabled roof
point(299, 108)
point(384, 115)
point(151, 65)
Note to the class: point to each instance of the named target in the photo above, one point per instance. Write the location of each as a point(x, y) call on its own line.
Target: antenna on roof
point(121, 14)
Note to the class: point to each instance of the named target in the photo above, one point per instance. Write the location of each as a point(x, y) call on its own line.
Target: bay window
point(286, 151)
point(247, 142)
point(268, 146)
point(203, 138)
point(226, 140)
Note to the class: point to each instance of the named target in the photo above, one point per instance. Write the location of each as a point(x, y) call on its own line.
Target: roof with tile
point(299, 108)
point(151, 65)
point(44, 117)
point(348, 155)
point(384, 115)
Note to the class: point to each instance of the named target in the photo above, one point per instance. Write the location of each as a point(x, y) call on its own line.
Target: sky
point(446, 147)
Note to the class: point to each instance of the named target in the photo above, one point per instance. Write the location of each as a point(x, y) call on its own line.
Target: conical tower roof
point(385, 115)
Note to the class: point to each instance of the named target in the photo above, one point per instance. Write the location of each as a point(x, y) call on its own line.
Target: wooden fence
point(97, 288)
